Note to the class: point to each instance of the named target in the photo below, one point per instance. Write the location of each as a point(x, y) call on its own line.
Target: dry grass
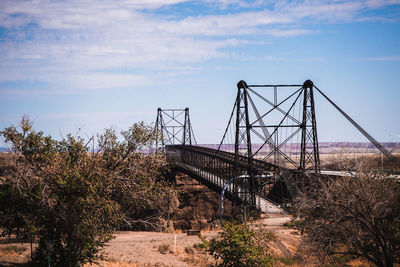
point(13, 249)
point(116, 263)
point(197, 260)
point(164, 248)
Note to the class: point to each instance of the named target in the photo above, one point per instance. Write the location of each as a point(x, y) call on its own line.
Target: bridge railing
point(216, 167)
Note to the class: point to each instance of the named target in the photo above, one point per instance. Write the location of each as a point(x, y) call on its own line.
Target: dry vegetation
point(341, 221)
point(144, 248)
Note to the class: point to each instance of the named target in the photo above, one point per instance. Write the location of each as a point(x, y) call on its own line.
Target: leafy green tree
point(70, 200)
point(238, 245)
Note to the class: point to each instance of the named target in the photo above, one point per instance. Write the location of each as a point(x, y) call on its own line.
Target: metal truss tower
point(274, 127)
point(173, 127)
point(309, 155)
point(243, 147)
point(270, 132)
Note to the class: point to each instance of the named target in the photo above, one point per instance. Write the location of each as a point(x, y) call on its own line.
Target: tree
point(357, 215)
point(70, 201)
point(238, 245)
point(140, 186)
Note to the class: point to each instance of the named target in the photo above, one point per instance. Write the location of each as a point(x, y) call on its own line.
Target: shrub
point(189, 250)
point(292, 223)
point(357, 216)
point(238, 245)
point(164, 248)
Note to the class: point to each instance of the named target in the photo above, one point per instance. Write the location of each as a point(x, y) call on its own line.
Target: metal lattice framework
point(282, 128)
point(309, 141)
point(274, 142)
point(243, 140)
point(173, 127)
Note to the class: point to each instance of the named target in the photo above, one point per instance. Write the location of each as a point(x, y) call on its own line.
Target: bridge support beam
point(221, 205)
point(173, 127)
point(243, 148)
point(309, 155)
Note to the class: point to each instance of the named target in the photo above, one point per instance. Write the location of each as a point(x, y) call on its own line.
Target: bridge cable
point(262, 124)
point(367, 135)
point(227, 127)
point(192, 135)
point(223, 138)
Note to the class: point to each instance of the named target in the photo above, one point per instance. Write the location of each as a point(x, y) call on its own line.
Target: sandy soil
point(147, 248)
point(157, 249)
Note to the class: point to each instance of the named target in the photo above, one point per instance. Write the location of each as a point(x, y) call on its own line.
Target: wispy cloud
point(74, 44)
point(387, 58)
point(275, 58)
point(380, 3)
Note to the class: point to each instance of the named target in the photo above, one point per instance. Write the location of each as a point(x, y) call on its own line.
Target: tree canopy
point(70, 200)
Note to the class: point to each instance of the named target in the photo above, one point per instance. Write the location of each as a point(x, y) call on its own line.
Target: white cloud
point(74, 44)
point(380, 3)
point(289, 32)
point(388, 58)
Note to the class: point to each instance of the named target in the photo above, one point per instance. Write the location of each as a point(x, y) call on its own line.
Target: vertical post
point(48, 248)
point(236, 161)
point(184, 127)
point(174, 243)
point(243, 136)
point(159, 128)
point(30, 240)
point(156, 126)
point(251, 190)
point(187, 138)
point(309, 157)
point(168, 214)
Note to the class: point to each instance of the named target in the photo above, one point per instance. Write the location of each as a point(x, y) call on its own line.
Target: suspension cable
point(367, 135)
point(227, 127)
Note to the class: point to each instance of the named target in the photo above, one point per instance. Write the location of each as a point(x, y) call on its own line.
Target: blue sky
point(85, 65)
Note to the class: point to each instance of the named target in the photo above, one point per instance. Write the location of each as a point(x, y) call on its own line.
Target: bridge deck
point(263, 204)
point(214, 168)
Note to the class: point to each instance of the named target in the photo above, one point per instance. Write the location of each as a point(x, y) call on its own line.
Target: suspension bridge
point(269, 145)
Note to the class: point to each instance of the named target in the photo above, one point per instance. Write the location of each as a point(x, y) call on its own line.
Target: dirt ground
point(157, 248)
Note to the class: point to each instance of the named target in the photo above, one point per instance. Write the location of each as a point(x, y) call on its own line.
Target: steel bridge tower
point(309, 154)
point(309, 150)
point(243, 148)
point(173, 127)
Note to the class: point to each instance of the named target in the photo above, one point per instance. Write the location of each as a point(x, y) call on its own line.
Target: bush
point(238, 245)
point(293, 223)
point(357, 216)
point(189, 250)
point(164, 248)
